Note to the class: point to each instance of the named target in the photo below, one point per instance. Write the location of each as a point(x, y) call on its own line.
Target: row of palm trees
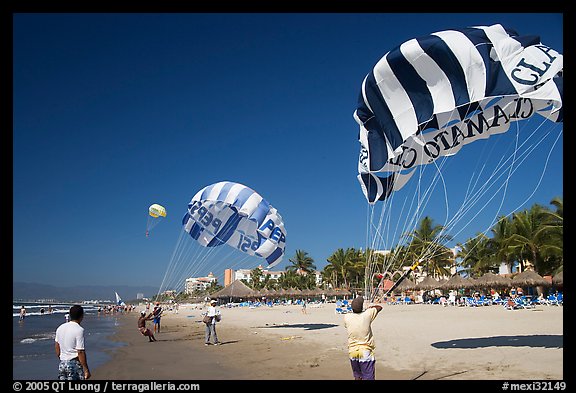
point(533, 236)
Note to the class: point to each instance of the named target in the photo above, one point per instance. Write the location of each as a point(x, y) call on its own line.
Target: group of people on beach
point(210, 318)
point(73, 365)
point(42, 311)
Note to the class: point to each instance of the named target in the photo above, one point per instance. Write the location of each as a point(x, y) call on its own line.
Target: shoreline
point(422, 342)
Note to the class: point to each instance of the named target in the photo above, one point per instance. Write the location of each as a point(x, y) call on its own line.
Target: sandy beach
point(413, 342)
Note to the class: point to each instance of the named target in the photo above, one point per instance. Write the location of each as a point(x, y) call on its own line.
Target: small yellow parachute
point(155, 214)
point(157, 210)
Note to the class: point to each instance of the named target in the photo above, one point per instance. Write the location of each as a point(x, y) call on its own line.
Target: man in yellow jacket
point(361, 346)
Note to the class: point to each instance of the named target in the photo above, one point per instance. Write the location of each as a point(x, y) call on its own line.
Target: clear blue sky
point(114, 112)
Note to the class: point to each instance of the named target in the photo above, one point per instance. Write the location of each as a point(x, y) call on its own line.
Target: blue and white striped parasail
point(432, 95)
point(233, 214)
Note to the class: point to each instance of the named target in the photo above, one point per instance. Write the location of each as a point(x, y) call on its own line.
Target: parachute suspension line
point(541, 174)
point(495, 176)
point(152, 222)
point(367, 274)
point(171, 263)
point(514, 157)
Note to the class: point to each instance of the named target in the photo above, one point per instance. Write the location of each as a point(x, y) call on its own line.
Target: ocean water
point(33, 353)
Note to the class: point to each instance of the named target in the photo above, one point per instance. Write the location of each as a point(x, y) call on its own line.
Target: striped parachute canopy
point(231, 213)
point(432, 95)
point(155, 210)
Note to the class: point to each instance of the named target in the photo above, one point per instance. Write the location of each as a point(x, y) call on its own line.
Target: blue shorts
point(70, 370)
point(363, 364)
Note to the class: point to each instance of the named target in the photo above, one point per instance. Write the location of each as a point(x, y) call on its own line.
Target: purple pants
point(363, 369)
point(363, 363)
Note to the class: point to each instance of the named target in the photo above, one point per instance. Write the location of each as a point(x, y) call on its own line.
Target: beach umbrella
point(272, 293)
point(407, 284)
point(330, 292)
point(308, 292)
point(558, 279)
point(264, 292)
point(237, 289)
point(427, 284)
point(457, 282)
point(293, 292)
point(282, 292)
point(491, 280)
point(342, 292)
point(320, 291)
point(529, 278)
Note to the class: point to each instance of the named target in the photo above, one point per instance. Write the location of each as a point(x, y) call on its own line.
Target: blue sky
point(114, 112)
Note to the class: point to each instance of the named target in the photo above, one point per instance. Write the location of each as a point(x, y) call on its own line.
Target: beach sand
point(413, 342)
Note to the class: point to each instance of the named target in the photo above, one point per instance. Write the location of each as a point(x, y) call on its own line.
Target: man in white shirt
point(361, 346)
point(214, 315)
point(70, 347)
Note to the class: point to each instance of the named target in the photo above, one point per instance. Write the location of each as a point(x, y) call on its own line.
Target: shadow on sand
point(533, 340)
point(306, 326)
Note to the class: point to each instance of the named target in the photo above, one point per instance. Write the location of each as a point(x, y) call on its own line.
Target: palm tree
point(528, 241)
point(256, 276)
point(291, 279)
point(301, 263)
point(473, 254)
point(340, 264)
point(497, 247)
point(552, 231)
point(427, 243)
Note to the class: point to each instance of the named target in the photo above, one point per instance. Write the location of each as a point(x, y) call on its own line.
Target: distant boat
point(119, 301)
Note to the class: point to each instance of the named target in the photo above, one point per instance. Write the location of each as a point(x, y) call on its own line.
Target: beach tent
point(236, 290)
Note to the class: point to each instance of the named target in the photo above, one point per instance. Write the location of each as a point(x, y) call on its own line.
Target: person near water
point(70, 349)
point(142, 326)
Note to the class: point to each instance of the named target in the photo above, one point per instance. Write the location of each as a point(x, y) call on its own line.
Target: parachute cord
point(541, 174)
point(171, 262)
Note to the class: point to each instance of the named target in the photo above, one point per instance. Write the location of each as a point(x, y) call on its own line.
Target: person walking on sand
point(211, 317)
point(70, 347)
point(142, 326)
point(361, 346)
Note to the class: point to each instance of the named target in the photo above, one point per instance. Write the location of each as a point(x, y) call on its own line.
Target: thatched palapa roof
point(529, 278)
point(427, 284)
point(558, 279)
point(406, 284)
point(458, 282)
point(491, 280)
point(237, 289)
